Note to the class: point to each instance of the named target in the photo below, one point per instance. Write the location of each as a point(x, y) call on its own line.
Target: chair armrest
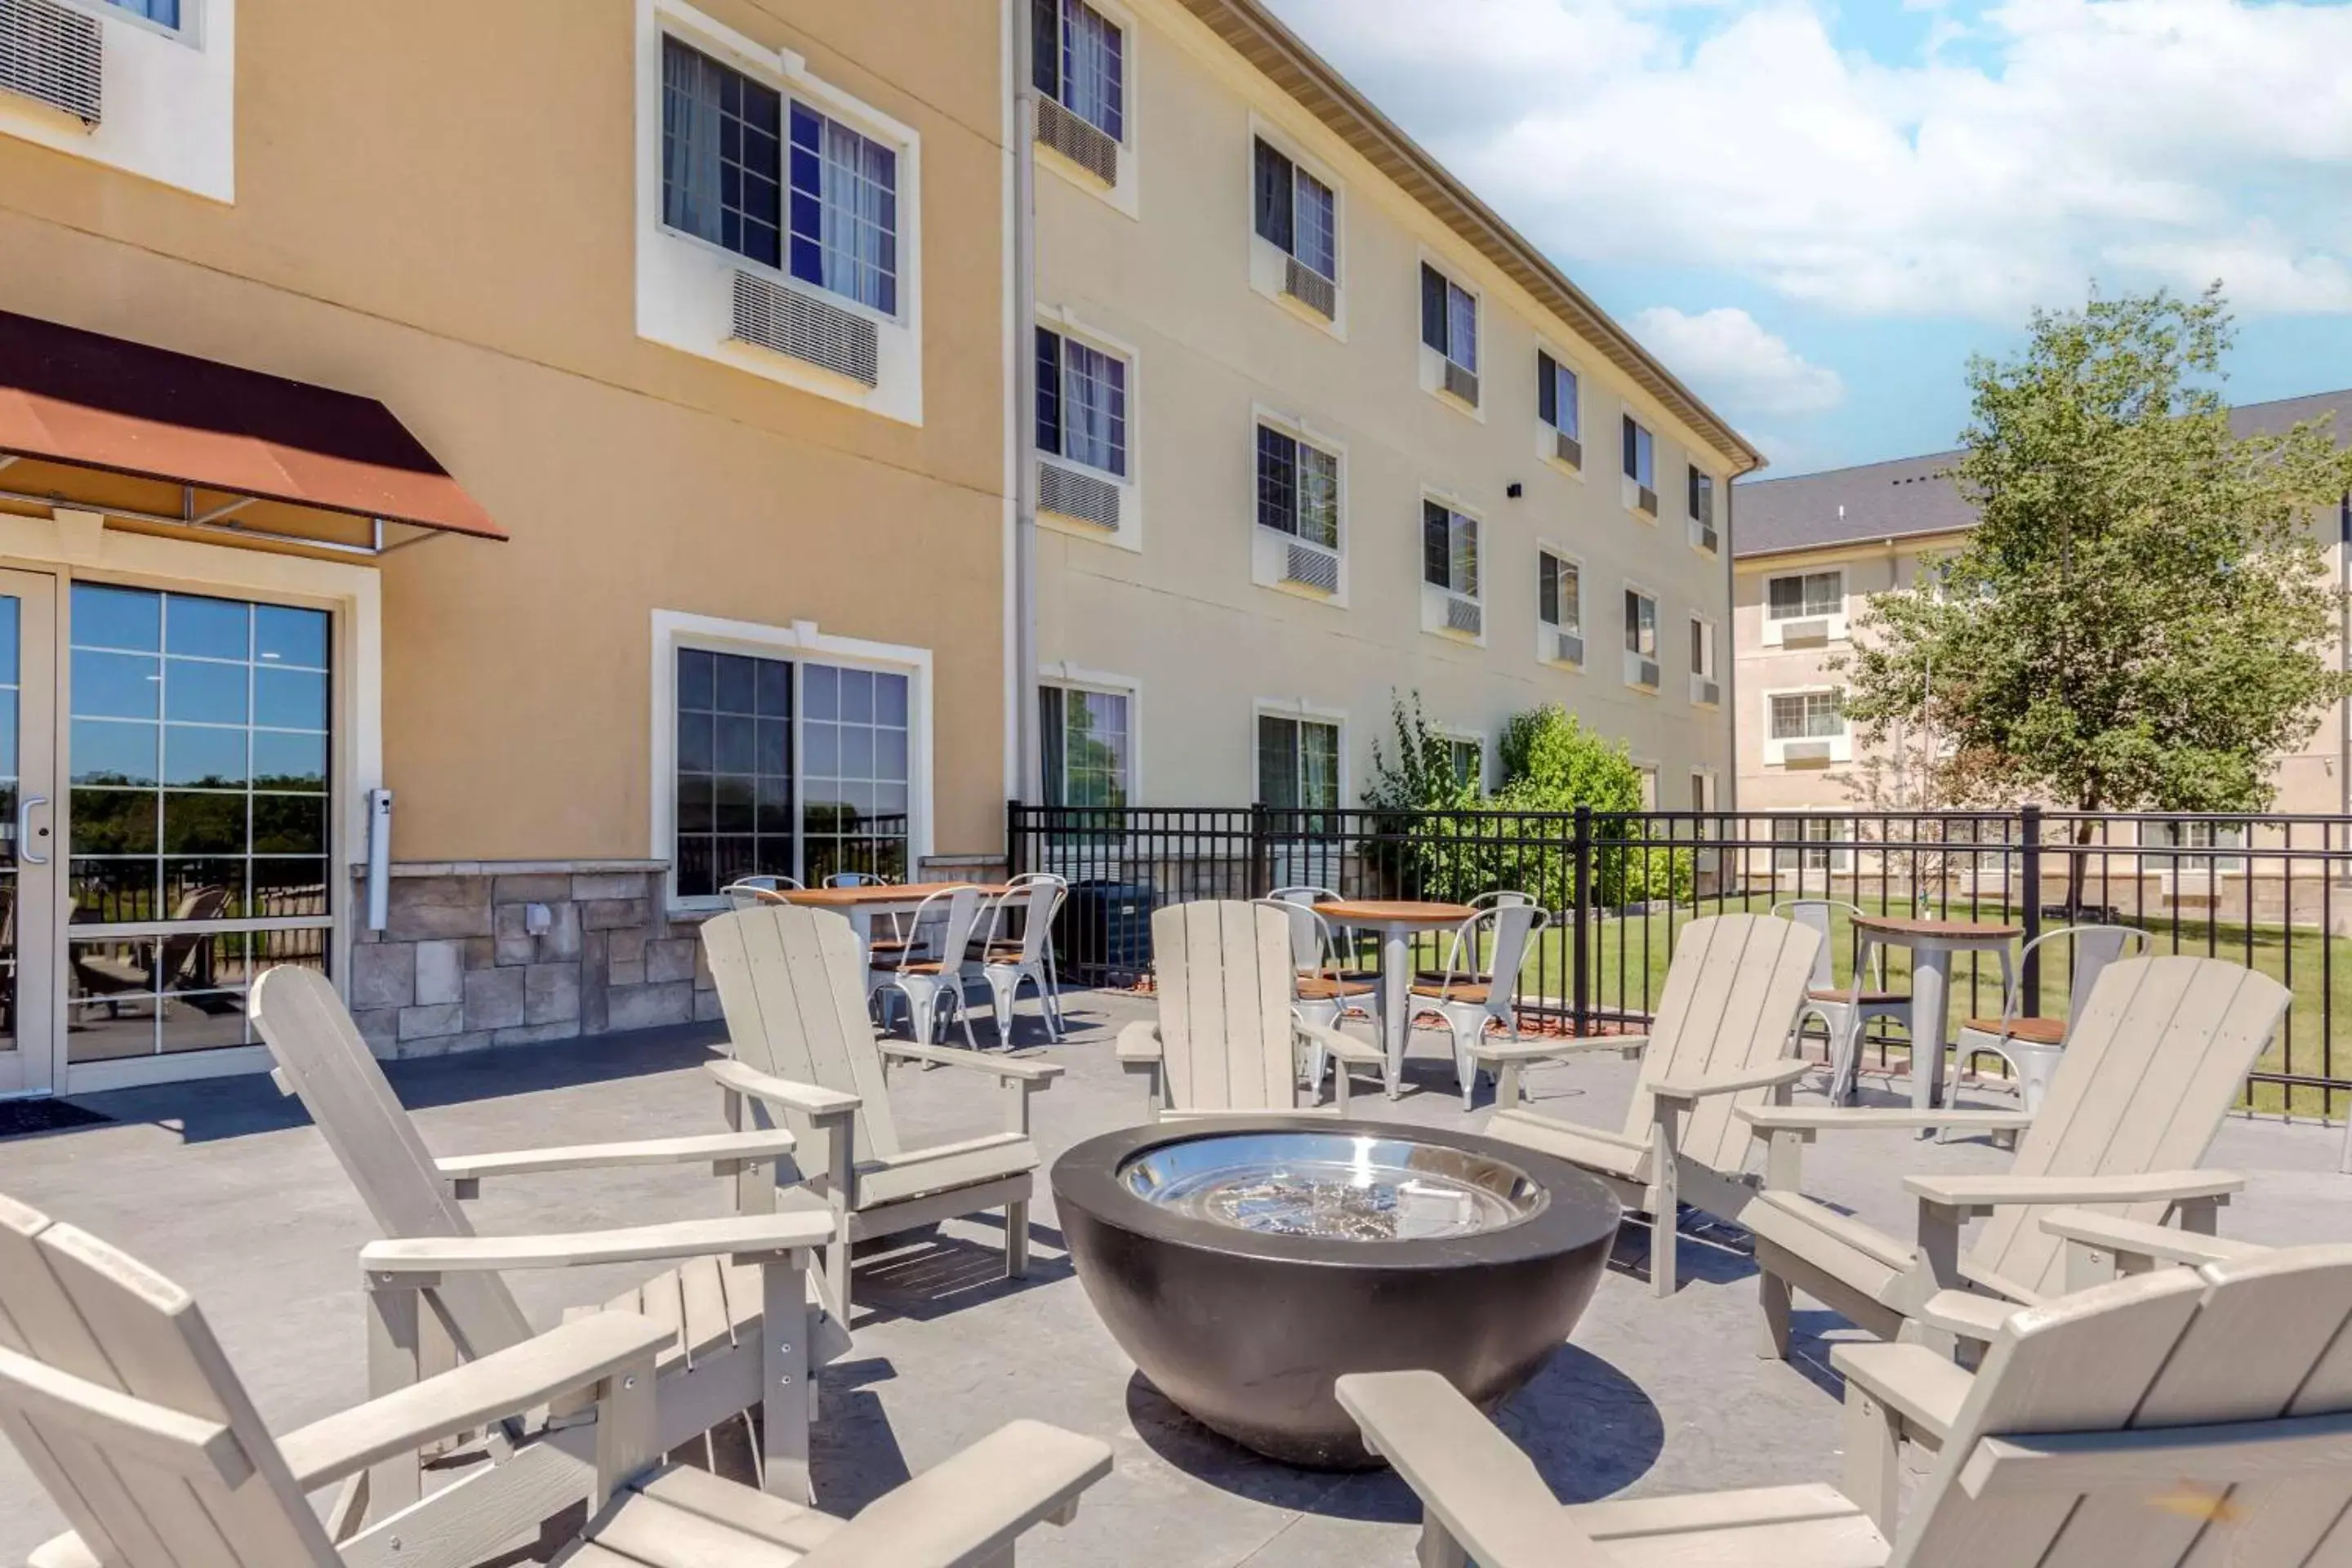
point(1002, 1066)
point(1347, 1047)
point(805, 1098)
point(1628, 1046)
point(580, 1354)
point(766, 1145)
point(1139, 1043)
point(1927, 1389)
point(2132, 1237)
point(1770, 1076)
point(1966, 1315)
point(1871, 1118)
point(974, 1506)
point(1473, 1481)
point(2146, 1187)
point(738, 1235)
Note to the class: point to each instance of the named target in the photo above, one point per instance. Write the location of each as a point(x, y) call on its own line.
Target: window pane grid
point(1277, 481)
point(1094, 69)
point(721, 155)
point(1813, 596)
point(1641, 624)
point(1316, 225)
point(1461, 327)
point(1094, 740)
point(1318, 497)
point(845, 211)
point(1565, 417)
point(1808, 715)
point(1094, 408)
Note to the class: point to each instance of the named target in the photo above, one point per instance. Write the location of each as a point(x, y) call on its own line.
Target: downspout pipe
point(1025, 719)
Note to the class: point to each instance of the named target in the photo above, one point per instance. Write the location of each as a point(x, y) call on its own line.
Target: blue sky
point(1815, 213)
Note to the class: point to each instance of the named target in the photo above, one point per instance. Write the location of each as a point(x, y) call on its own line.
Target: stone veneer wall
point(456, 968)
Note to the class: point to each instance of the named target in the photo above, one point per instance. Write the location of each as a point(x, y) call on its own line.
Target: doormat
point(19, 1117)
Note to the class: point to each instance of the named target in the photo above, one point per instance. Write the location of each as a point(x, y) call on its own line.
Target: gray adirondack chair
point(115, 1391)
point(1229, 1037)
point(2175, 1420)
point(1723, 1037)
point(435, 1291)
point(2153, 1060)
point(791, 986)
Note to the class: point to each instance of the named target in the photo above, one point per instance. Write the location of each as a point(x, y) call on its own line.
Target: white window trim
point(1299, 708)
point(1433, 364)
point(1434, 598)
point(1064, 320)
point(1459, 736)
point(1546, 450)
point(1658, 618)
point(1713, 778)
point(800, 640)
point(1071, 678)
point(1776, 748)
point(1268, 548)
point(1125, 198)
point(1268, 263)
point(1716, 489)
point(1715, 661)
point(1837, 850)
point(170, 111)
point(684, 284)
point(1774, 630)
point(1628, 488)
point(1546, 643)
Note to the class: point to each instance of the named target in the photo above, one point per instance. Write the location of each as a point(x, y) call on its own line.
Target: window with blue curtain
point(1296, 212)
point(1081, 403)
point(163, 12)
point(831, 221)
point(1094, 69)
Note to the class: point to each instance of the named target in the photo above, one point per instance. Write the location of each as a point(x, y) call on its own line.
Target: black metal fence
point(2273, 892)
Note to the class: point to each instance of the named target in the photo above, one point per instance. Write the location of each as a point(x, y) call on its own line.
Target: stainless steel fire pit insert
point(1340, 1185)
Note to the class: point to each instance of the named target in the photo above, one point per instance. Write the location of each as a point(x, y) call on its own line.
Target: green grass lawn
point(1628, 966)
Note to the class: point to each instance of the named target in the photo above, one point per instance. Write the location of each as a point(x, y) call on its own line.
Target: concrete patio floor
point(226, 1189)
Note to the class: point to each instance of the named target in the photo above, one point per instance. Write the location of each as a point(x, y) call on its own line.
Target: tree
point(1551, 762)
point(2140, 620)
point(1430, 855)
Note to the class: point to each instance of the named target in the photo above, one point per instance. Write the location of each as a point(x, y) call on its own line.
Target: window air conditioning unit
point(1639, 671)
point(1805, 750)
point(1461, 384)
point(1705, 692)
point(1817, 629)
point(1312, 565)
point(1463, 615)
point(1648, 501)
point(1703, 534)
point(1568, 648)
point(1066, 492)
point(1568, 449)
point(53, 54)
point(1310, 288)
point(769, 315)
point(1078, 139)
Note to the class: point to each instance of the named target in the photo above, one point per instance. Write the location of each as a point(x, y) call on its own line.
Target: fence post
point(1261, 854)
point(1580, 904)
point(1012, 846)
point(2030, 871)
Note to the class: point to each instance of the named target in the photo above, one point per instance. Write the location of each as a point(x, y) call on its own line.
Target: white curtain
point(1094, 408)
point(858, 223)
point(1093, 67)
point(689, 142)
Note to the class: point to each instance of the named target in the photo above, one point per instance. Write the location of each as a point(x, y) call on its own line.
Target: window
point(1641, 457)
point(1449, 319)
point(1556, 396)
point(1087, 742)
point(1702, 646)
point(1449, 550)
point(1298, 214)
point(1081, 403)
point(1702, 496)
point(788, 766)
point(830, 219)
point(163, 12)
point(1560, 594)
point(1810, 596)
point(1702, 792)
point(1823, 841)
point(1808, 715)
point(2200, 835)
point(1081, 62)
point(1298, 763)
point(1298, 488)
point(1469, 760)
point(1641, 623)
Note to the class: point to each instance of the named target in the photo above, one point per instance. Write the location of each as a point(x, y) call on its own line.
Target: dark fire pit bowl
point(1245, 1264)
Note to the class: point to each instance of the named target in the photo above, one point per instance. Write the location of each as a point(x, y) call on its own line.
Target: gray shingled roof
point(1916, 495)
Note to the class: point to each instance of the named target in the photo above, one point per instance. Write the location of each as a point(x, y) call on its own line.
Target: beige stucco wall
point(1182, 618)
point(435, 208)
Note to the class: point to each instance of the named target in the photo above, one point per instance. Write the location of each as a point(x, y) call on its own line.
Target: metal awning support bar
point(205, 525)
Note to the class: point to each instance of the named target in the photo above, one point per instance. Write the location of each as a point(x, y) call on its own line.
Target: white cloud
point(2022, 151)
point(1732, 362)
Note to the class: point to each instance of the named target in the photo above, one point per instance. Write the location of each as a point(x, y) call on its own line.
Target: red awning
point(72, 397)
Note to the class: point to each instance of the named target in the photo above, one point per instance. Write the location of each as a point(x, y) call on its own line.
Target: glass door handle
point(24, 831)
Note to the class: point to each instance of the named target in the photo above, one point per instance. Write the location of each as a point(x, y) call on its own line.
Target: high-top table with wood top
point(1932, 945)
point(1398, 921)
point(867, 901)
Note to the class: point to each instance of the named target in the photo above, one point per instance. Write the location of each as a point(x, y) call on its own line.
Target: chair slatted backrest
point(1816, 915)
point(2094, 947)
point(791, 984)
point(1224, 972)
point(1734, 990)
point(114, 1390)
point(322, 1057)
point(2153, 1062)
point(2252, 1347)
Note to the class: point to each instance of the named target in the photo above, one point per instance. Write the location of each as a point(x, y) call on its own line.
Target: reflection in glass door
point(198, 830)
point(27, 865)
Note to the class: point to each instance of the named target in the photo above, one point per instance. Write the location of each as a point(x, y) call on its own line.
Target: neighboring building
point(1315, 427)
point(741, 605)
point(1812, 548)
